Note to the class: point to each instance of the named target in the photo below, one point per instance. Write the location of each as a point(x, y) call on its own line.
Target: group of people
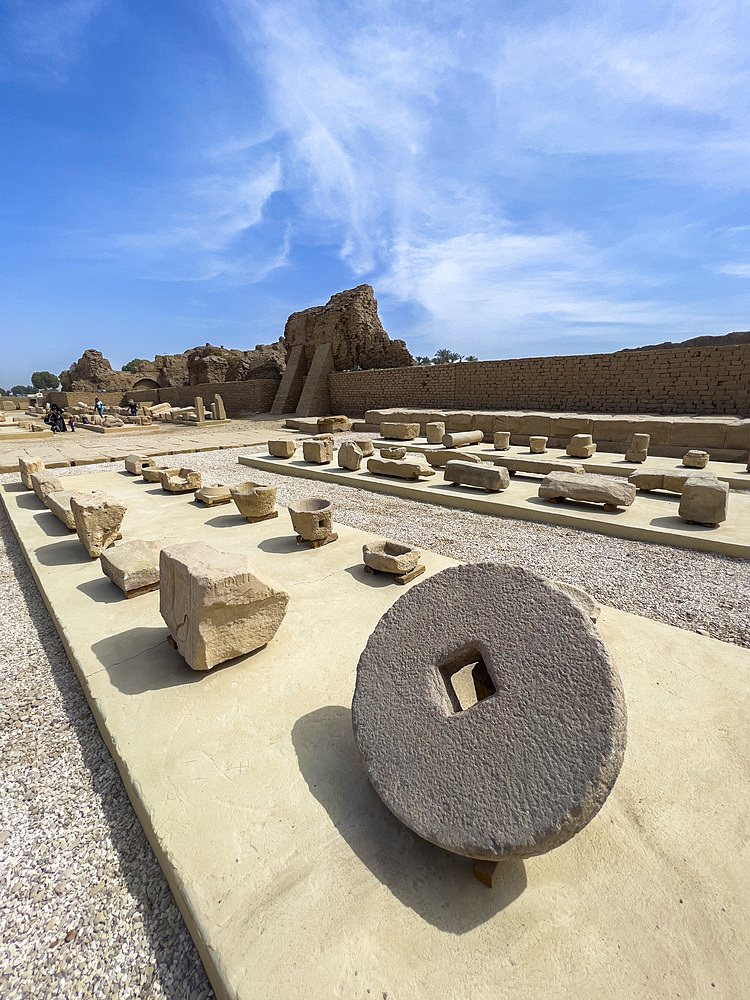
point(56, 419)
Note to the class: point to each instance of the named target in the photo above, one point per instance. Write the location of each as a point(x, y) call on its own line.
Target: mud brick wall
point(255, 395)
point(65, 399)
point(698, 380)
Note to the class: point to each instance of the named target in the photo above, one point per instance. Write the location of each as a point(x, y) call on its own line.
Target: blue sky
point(514, 179)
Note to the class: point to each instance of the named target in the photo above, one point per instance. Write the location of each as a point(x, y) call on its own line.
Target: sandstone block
point(414, 468)
point(365, 445)
point(320, 452)
point(28, 467)
point(281, 448)
point(136, 463)
point(537, 444)
point(402, 432)
point(180, 480)
point(439, 459)
point(312, 518)
point(390, 557)
point(350, 456)
point(394, 454)
point(671, 480)
point(434, 431)
point(152, 473)
point(334, 425)
point(254, 500)
point(214, 493)
point(501, 440)
point(459, 439)
point(704, 501)
point(216, 605)
point(45, 482)
point(98, 518)
point(59, 504)
point(492, 478)
point(638, 450)
point(581, 446)
point(538, 466)
point(607, 490)
point(132, 566)
point(695, 459)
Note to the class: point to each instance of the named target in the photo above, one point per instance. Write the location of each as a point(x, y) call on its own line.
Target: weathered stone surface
point(439, 459)
point(324, 437)
point(59, 504)
point(132, 565)
point(492, 478)
point(588, 604)
point(93, 373)
point(393, 454)
point(152, 473)
point(98, 518)
point(365, 445)
point(695, 459)
point(29, 467)
point(413, 468)
point(350, 456)
point(312, 518)
point(214, 493)
point(609, 490)
point(434, 431)
point(538, 466)
point(638, 450)
point(671, 480)
point(180, 480)
point(581, 446)
point(282, 448)
point(501, 440)
point(215, 604)
point(220, 364)
point(516, 774)
point(349, 322)
point(400, 431)
point(45, 482)
point(390, 557)
point(537, 444)
point(704, 500)
point(317, 451)
point(334, 425)
point(136, 463)
point(459, 439)
point(254, 499)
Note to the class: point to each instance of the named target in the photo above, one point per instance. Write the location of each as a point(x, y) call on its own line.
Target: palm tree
point(421, 360)
point(471, 357)
point(445, 357)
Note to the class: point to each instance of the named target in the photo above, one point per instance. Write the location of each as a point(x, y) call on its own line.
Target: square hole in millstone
point(467, 680)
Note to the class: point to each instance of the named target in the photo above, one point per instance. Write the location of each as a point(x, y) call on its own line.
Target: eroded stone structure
point(704, 500)
point(282, 448)
point(133, 566)
point(312, 519)
point(98, 518)
point(492, 478)
point(255, 501)
point(607, 490)
point(411, 468)
point(350, 456)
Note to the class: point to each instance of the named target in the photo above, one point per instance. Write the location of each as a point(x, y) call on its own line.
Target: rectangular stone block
point(319, 451)
point(491, 478)
point(282, 448)
point(565, 425)
point(399, 431)
point(412, 468)
point(704, 501)
point(59, 504)
point(98, 518)
point(697, 434)
point(45, 482)
point(28, 467)
point(132, 566)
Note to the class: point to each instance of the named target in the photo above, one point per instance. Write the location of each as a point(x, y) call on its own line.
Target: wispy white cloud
point(735, 270)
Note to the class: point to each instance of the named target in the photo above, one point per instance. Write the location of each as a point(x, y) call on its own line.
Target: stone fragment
point(320, 452)
point(220, 412)
point(215, 604)
point(365, 445)
point(136, 464)
point(254, 500)
point(393, 454)
point(350, 456)
point(180, 480)
point(215, 493)
point(537, 444)
point(509, 776)
point(401, 431)
point(133, 566)
point(638, 450)
point(45, 482)
point(152, 473)
point(439, 459)
point(501, 440)
point(704, 501)
point(459, 439)
point(59, 504)
point(312, 518)
point(588, 604)
point(390, 557)
point(200, 410)
point(581, 446)
point(334, 425)
point(695, 459)
point(28, 467)
point(671, 480)
point(434, 431)
point(608, 490)
point(537, 466)
point(98, 518)
point(492, 478)
point(414, 468)
point(324, 437)
point(282, 448)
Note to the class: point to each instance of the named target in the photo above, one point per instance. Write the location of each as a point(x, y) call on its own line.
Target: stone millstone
point(519, 772)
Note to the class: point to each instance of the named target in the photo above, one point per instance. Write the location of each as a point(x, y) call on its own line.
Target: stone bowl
point(390, 557)
point(254, 499)
point(312, 518)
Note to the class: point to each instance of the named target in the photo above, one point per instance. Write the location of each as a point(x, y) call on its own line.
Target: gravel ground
point(85, 910)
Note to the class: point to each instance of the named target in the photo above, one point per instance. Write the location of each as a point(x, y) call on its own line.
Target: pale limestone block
point(318, 451)
point(132, 565)
point(152, 473)
point(59, 504)
point(392, 454)
point(695, 459)
point(537, 444)
point(638, 450)
point(215, 493)
point(334, 425)
point(350, 456)
point(282, 448)
point(136, 463)
point(581, 446)
point(45, 482)
point(215, 604)
point(312, 518)
point(180, 480)
point(200, 410)
point(414, 468)
point(27, 468)
point(492, 478)
point(98, 518)
point(439, 459)
point(607, 490)
point(221, 413)
point(704, 501)
point(501, 440)
point(459, 439)
point(390, 557)
point(365, 445)
point(434, 431)
point(401, 431)
point(254, 500)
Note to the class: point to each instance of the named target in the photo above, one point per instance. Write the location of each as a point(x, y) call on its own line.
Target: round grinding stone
point(522, 770)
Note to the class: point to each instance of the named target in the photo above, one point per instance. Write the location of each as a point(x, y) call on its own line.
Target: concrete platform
point(126, 428)
point(653, 516)
point(601, 463)
point(294, 879)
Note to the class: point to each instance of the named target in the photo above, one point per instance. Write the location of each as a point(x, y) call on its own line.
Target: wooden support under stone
point(317, 542)
point(263, 517)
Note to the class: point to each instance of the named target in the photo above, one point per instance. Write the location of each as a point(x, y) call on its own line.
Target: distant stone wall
point(64, 399)
point(255, 395)
point(702, 380)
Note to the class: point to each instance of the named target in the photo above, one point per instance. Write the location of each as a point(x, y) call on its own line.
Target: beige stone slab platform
point(653, 517)
point(601, 463)
point(291, 874)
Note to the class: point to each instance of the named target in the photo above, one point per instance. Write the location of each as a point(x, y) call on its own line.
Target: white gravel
point(75, 863)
